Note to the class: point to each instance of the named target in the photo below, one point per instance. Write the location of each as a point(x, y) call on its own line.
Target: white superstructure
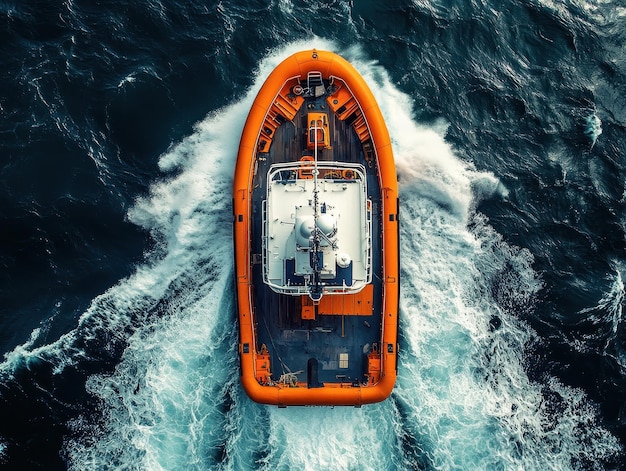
point(316, 229)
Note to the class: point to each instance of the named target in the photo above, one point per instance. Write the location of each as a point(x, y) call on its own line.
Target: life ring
point(348, 174)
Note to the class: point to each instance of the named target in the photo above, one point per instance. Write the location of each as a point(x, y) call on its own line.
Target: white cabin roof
point(316, 245)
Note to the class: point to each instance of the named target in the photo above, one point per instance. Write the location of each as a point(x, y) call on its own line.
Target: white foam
point(425, 162)
point(342, 438)
point(462, 381)
point(3, 451)
point(165, 395)
point(164, 404)
point(593, 128)
point(616, 347)
point(611, 305)
point(128, 79)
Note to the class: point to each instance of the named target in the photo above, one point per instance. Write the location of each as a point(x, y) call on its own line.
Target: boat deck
point(300, 337)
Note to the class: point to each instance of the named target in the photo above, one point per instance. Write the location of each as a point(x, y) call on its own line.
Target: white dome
point(343, 260)
point(304, 229)
point(327, 224)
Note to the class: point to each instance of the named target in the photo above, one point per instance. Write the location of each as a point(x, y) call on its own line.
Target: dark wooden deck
point(291, 340)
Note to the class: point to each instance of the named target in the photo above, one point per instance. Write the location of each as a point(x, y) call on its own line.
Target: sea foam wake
point(463, 399)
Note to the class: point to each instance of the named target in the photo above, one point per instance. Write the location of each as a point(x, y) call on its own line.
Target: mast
point(315, 291)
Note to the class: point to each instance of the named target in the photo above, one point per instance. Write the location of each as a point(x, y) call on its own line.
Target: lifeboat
point(315, 205)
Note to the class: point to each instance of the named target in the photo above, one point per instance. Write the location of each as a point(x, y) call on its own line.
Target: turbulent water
point(119, 125)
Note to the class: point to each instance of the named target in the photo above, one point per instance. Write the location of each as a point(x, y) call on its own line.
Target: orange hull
point(275, 104)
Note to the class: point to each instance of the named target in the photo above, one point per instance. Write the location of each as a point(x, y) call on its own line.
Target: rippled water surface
point(119, 125)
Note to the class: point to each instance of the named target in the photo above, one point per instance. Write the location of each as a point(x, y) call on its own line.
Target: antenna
point(316, 289)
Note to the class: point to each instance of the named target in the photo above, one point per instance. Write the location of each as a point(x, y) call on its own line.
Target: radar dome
point(304, 229)
point(327, 224)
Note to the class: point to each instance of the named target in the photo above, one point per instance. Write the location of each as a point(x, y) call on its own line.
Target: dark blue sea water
point(119, 124)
